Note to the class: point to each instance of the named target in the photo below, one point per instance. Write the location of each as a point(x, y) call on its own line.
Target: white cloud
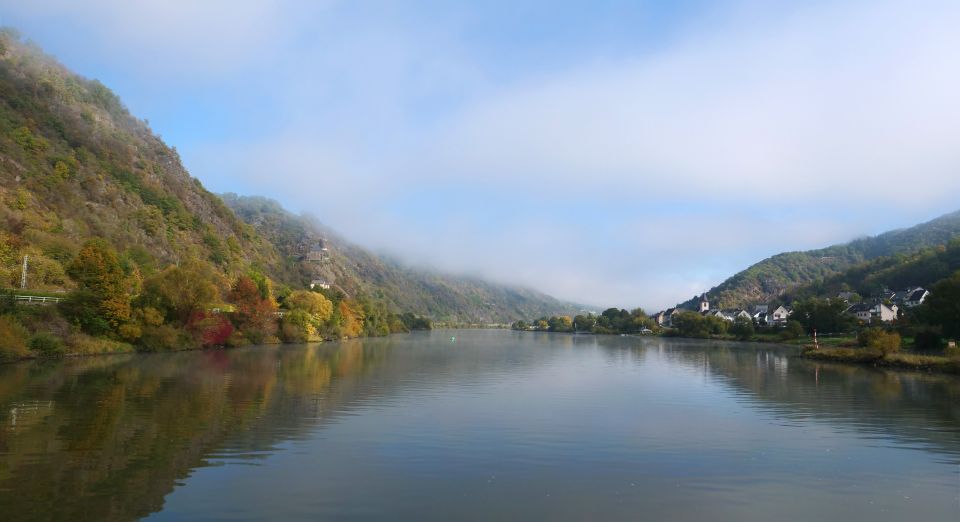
point(841, 102)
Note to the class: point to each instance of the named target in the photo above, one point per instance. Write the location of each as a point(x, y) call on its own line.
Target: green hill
point(74, 164)
point(357, 271)
point(923, 268)
point(772, 277)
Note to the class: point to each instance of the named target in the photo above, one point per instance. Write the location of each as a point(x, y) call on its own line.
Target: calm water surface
point(497, 425)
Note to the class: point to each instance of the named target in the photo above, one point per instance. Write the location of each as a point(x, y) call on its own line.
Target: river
point(477, 425)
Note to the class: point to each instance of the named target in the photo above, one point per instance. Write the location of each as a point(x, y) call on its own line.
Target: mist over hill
point(356, 270)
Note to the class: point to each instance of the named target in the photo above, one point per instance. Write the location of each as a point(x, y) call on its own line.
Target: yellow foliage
point(23, 198)
point(130, 332)
point(13, 338)
point(150, 316)
point(319, 307)
point(62, 171)
point(351, 319)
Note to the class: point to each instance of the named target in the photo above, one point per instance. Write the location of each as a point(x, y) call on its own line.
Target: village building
point(874, 312)
point(704, 303)
point(846, 297)
point(319, 252)
point(663, 318)
point(780, 314)
point(671, 313)
point(916, 297)
point(319, 283)
point(714, 313)
point(887, 295)
point(762, 318)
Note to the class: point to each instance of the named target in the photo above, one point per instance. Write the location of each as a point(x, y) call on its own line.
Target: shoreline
point(829, 352)
point(895, 361)
point(834, 354)
point(133, 351)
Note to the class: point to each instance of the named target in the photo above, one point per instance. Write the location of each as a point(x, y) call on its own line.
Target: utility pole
point(23, 276)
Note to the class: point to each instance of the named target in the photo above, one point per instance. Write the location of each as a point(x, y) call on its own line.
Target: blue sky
point(612, 153)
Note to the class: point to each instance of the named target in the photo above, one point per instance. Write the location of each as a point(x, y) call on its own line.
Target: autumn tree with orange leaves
point(255, 314)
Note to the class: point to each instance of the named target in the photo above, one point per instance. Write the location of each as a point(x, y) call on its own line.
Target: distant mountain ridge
point(354, 270)
point(771, 278)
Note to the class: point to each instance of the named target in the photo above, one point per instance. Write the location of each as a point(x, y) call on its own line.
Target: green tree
point(297, 327)
point(742, 328)
point(316, 305)
point(13, 339)
point(561, 324)
point(942, 307)
point(880, 340)
point(691, 324)
point(46, 344)
point(179, 291)
point(822, 315)
point(98, 273)
point(792, 330)
point(585, 323)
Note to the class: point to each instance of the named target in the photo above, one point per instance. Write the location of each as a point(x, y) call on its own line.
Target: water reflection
point(109, 438)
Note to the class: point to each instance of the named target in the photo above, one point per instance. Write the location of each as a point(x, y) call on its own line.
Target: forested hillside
point(74, 164)
point(923, 268)
point(770, 278)
point(355, 270)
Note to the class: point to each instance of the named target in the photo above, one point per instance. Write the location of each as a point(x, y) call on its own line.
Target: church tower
point(704, 303)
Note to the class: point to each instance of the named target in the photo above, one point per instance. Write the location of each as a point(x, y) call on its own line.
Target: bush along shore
point(114, 309)
point(882, 348)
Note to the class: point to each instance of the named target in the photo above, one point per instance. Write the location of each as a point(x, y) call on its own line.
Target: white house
point(874, 312)
point(319, 283)
point(717, 313)
point(674, 312)
point(662, 318)
point(781, 314)
point(916, 297)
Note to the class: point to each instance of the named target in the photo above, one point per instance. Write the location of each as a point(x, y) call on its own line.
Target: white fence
point(35, 299)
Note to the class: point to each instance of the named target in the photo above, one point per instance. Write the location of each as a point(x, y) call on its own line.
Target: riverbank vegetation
point(611, 321)
point(187, 306)
point(114, 308)
point(881, 347)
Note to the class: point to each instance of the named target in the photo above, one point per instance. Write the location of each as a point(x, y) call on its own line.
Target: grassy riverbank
point(866, 356)
point(844, 349)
